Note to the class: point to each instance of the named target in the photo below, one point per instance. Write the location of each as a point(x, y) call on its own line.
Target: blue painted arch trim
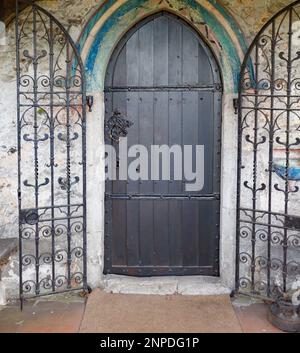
point(229, 47)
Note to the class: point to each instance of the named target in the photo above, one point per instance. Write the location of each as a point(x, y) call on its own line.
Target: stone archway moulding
point(114, 18)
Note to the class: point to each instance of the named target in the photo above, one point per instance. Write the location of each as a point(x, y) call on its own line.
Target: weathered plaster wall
point(253, 14)
point(99, 25)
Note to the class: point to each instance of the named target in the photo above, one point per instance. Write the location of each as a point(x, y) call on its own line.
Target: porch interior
point(261, 259)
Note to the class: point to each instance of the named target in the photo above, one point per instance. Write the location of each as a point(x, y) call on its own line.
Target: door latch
point(117, 126)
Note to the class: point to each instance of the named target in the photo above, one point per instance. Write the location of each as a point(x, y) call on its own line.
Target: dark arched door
point(165, 81)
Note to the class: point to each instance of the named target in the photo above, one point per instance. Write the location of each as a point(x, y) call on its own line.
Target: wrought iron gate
point(268, 238)
point(51, 113)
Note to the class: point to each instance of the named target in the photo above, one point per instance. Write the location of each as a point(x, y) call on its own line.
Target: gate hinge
point(90, 102)
point(29, 216)
point(292, 222)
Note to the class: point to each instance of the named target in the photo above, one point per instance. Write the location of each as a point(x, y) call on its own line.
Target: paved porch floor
point(64, 314)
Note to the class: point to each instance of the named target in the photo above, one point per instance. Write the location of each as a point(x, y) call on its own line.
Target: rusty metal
point(285, 316)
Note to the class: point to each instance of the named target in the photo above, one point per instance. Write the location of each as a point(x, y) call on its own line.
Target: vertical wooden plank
point(133, 236)
point(216, 111)
point(161, 49)
point(176, 235)
point(146, 133)
point(190, 221)
point(161, 231)
point(190, 50)
point(133, 187)
point(119, 252)
point(161, 134)
point(146, 55)
point(146, 138)
point(132, 60)
point(175, 53)
point(190, 124)
point(161, 137)
point(120, 73)
point(146, 232)
point(119, 104)
point(146, 99)
point(190, 229)
point(133, 137)
point(175, 134)
point(190, 208)
point(161, 208)
point(207, 232)
point(205, 77)
point(207, 137)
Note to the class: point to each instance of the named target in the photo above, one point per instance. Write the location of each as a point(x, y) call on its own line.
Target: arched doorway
point(163, 79)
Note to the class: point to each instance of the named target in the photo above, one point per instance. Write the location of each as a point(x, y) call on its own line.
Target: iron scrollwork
point(117, 127)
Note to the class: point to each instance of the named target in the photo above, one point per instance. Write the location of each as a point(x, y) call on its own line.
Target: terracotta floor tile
point(42, 317)
point(59, 316)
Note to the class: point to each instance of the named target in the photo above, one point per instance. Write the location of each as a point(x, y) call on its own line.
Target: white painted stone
point(131, 285)
point(95, 189)
point(3, 300)
point(191, 285)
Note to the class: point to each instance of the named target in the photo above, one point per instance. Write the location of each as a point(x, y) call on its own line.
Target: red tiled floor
point(43, 317)
point(65, 316)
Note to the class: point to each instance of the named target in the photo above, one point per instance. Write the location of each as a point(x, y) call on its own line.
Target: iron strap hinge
point(217, 87)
